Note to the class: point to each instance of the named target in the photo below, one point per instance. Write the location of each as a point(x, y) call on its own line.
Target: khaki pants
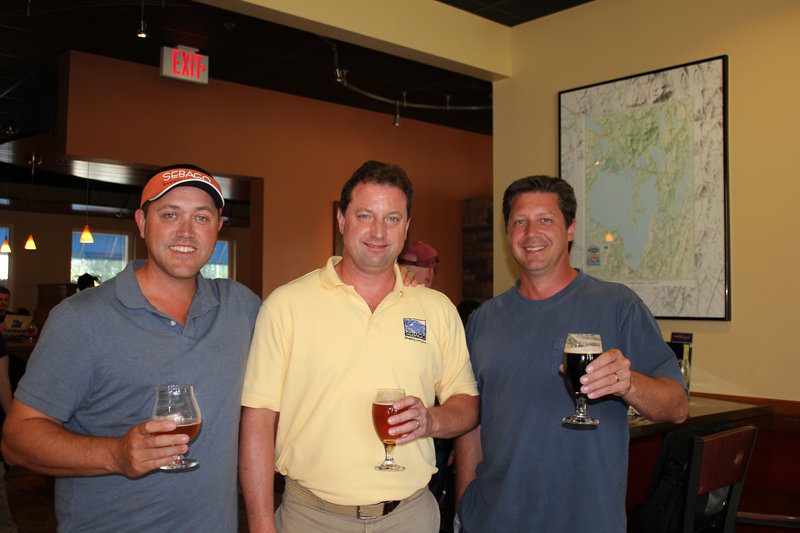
point(416, 515)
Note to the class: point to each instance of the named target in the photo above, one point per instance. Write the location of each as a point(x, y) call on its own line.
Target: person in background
point(443, 481)
point(322, 345)
point(521, 469)
point(86, 281)
point(466, 308)
point(82, 410)
point(420, 259)
point(6, 523)
point(5, 300)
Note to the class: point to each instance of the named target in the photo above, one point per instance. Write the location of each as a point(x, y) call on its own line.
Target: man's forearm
point(454, 417)
point(658, 399)
point(46, 447)
point(257, 467)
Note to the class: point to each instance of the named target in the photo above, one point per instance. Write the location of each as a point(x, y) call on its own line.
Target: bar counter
point(702, 410)
point(646, 436)
point(20, 348)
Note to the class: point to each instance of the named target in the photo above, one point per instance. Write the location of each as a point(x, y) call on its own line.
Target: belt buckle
point(358, 513)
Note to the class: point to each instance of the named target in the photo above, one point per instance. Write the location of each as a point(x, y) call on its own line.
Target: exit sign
point(183, 63)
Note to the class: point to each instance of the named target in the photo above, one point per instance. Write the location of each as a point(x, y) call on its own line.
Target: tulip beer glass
point(579, 350)
point(177, 403)
point(381, 411)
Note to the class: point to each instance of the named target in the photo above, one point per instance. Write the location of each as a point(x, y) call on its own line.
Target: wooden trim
point(779, 407)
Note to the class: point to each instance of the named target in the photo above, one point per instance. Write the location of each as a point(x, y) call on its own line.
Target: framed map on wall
point(647, 156)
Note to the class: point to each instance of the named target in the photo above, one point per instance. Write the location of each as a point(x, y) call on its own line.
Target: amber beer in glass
point(187, 429)
point(580, 349)
point(381, 411)
point(178, 403)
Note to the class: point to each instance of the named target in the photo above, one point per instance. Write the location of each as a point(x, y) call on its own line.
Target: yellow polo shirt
point(317, 356)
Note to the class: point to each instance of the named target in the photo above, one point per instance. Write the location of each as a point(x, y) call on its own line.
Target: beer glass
point(178, 403)
point(579, 350)
point(381, 411)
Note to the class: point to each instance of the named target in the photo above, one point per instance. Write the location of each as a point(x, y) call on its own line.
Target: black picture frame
point(648, 157)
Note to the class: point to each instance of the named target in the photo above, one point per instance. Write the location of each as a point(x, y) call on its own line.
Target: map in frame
point(648, 160)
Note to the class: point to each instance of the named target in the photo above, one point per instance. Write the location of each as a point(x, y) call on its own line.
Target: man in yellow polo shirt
point(322, 345)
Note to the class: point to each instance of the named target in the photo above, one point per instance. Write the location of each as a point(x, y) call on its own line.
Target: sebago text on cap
point(165, 180)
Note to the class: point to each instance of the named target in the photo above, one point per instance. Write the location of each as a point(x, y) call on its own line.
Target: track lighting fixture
point(142, 34)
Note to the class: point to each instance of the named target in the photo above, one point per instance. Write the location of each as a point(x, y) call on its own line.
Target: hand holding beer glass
point(381, 411)
point(178, 403)
point(580, 350)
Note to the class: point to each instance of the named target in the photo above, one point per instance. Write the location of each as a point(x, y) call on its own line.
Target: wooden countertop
point(702, 410)
point(20, 348)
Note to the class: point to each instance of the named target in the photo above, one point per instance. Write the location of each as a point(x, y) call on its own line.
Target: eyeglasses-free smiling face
point(180, 231)
point(374, 227)
point(538, 235)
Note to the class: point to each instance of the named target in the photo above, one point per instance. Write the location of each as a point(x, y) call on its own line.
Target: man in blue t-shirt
point(522, 469)
point(82, 411)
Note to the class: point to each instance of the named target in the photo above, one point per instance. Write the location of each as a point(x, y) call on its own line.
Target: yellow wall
point(422, 30)
point(756, 353)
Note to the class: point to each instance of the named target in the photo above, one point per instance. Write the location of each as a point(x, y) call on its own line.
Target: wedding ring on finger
point(418, 424)
point(616, 377)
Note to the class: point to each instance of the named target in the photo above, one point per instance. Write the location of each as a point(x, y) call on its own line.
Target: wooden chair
point(718, 461)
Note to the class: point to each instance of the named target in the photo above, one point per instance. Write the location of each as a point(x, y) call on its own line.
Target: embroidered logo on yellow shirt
point(414, 329)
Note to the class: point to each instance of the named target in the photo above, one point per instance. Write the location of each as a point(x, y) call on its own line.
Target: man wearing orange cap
point(82, 411)
point(421, 259)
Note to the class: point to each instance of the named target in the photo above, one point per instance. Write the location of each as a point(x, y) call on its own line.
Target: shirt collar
point(330, 278)
point(130, 294)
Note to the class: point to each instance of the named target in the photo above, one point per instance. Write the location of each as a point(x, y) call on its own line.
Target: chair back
point(719, 463)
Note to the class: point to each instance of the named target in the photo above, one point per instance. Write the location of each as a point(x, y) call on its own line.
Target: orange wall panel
point(303, 150)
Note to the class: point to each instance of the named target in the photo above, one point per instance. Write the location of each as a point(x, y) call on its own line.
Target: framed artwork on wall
point(647, 156)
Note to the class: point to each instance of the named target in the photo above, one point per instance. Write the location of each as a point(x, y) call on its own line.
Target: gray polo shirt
point(100, 356)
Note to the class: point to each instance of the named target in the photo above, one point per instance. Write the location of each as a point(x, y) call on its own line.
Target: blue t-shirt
point(537, 475)
point(100, 356)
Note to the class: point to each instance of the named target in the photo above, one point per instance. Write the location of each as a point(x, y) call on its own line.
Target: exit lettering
point(187, 64)
point(184, 63)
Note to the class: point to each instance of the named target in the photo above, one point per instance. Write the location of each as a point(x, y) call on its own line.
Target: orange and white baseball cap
point(167, 178)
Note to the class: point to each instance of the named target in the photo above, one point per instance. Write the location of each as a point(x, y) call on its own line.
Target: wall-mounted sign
point(184, 63)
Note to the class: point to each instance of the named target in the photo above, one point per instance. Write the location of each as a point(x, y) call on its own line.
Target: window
point(5, 233)
point(105, 257)
point(218, 265)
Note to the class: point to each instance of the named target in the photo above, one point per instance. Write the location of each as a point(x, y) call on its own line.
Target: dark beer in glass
point(580, 349)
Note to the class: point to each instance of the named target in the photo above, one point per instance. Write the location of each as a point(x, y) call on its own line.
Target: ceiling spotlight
point(142, 34)
point(396, 113)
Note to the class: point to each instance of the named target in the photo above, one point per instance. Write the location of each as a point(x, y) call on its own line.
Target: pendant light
point(5, 248)
point(86, 235)
point(142, 33)
point(30, 244)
